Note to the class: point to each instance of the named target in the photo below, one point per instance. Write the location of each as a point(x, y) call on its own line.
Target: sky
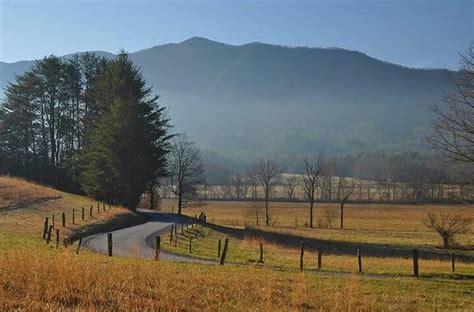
point(419, 33)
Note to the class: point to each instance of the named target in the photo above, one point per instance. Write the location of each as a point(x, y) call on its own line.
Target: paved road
point(139, 240)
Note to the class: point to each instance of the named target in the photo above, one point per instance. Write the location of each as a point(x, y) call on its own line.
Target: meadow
point(35, 280)
point(246, 251)
point(38, 276)
point(391, 225)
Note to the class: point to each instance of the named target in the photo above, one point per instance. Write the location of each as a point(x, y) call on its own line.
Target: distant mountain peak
point(199, 41)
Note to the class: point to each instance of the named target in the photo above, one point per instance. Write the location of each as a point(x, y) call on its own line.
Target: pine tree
point(18, 132)
point(125, 152)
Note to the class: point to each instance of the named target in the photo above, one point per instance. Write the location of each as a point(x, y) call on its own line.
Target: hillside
point(24, 207)
point(242, 101)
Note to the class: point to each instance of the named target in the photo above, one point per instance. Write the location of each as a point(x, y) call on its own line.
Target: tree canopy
point(85, 124)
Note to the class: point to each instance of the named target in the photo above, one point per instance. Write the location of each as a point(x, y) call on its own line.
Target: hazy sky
point(413, 33)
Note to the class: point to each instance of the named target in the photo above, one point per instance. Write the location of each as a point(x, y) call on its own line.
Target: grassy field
point(37, 276)
point(204, 244)
point(24, 207)
point(386, 224)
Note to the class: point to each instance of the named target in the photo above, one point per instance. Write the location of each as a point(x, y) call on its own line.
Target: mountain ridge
point(198, 38)
point(242, 101)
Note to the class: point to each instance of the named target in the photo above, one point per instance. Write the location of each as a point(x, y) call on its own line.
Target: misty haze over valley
point(239, 102)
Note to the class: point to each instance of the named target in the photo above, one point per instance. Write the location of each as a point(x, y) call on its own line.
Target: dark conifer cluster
point(86, 125)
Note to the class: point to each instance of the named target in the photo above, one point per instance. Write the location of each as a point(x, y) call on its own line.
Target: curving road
point(139, 240)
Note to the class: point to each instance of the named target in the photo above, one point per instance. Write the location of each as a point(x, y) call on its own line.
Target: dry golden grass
point(62, 280)
point(247, 251)
point(35, 276)
point(388, 224)
point(25, 205)
point(16, 192)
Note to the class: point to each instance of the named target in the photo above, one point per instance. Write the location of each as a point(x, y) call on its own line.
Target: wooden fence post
point(45, 228)
point(219, 249)
point(261, 253)
point(90, 212)
point(452, 261)
point(79, 245)
point(415, 262)
point(302, 257)
point(74, 216)
point(48, 238)
point(64, 219)
point(171, 234)
point(359, 260)
point(109, 243)
point(98, 209)
point(110, 206)
point(176, 230)
point(319, 259)
point(52, 219)
point(190, 244)
point(103, 206)
point(83, 214)
point(157, 247)
point(57, 238)
point(224, 252)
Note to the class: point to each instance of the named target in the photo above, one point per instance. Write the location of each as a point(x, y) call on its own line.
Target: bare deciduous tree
point(326, 180)
point(310, 179)
point(253, 181)
point(239, 186)
point(227, 192)
point(447, 226)
point(290, 182)
point(265, 171)
point(329, 215)
point(346, 190)
point(453, 131)
point(185, 170)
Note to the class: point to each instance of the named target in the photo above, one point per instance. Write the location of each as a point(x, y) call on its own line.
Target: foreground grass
point(385, 224)
point(50, 279)
point(247, 251)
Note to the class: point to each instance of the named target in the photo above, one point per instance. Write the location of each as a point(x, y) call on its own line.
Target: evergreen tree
point(125, 152)
point(44, 118)
point(19, 147)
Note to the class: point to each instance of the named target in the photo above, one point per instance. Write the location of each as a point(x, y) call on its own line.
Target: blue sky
point(412, 33)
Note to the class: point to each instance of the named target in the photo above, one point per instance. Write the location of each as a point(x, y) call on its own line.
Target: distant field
point(387, 224)
point(365, 190)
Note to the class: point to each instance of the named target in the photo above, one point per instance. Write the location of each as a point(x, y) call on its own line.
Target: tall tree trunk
point(180, 203)
point(311, 212)
point(342, 215)
point(267, 219)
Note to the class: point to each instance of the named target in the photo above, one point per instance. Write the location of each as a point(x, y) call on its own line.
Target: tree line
point(85, 125)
